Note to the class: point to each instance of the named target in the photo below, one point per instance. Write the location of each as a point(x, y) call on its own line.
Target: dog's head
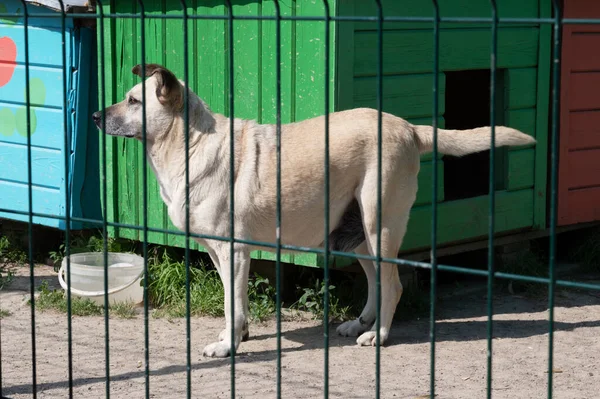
point(164, 103)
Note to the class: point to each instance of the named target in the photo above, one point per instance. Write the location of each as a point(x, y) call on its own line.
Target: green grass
point(123, 310)
point(4, 313)
point(9, 253)
point(167, 290)
point(312, 301)
point(261, 298)
point(56, 300)
point(586, 251)
point(6, 276)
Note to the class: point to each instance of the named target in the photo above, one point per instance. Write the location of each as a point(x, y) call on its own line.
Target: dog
point(353, 139)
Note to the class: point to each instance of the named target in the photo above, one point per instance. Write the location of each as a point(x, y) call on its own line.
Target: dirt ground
point(520, 351)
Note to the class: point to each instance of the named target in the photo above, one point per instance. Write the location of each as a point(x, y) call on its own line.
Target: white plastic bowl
point(125, 272)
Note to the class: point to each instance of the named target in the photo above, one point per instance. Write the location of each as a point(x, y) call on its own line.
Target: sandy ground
point(520, 349)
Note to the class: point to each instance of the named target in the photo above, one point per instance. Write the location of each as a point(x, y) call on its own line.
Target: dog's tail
point(463, 142)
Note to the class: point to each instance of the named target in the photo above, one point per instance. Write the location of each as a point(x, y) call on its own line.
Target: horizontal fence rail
point(433, 21)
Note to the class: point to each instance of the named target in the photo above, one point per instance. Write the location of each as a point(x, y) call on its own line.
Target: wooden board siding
point(408, 66)
point(523, 57)
point(47, 122)
point(302, 84)
point(579, 158)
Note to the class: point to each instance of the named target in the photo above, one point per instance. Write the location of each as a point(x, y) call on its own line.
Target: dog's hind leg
point(354, 328)
point(396, 204)
point(241, 270)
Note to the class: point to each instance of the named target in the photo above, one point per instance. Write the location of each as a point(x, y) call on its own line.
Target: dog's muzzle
point(97, 118)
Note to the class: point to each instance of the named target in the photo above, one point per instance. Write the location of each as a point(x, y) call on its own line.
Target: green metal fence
point(556, 21)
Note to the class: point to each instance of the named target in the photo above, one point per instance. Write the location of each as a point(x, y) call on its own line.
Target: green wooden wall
point(302, 83)
point(408, 63)
point(523, 61)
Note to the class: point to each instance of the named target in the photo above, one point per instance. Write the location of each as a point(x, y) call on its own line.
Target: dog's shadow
point(459, 321)
point(417, 332)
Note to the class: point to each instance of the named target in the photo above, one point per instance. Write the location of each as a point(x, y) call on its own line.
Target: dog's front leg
point(241, 268)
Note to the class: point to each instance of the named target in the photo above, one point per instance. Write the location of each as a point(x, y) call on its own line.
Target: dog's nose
point(97, 116)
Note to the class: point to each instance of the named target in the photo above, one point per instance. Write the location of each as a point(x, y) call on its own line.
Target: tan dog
point(353, 182)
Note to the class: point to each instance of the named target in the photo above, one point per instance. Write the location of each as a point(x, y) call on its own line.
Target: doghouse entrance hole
point(468, 106)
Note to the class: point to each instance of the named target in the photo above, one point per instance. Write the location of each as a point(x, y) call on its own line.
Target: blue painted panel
point(49, 131)
point(46, 88)
point(14, 196)
point(47, 118)
point(45, 46)
point(47, 166)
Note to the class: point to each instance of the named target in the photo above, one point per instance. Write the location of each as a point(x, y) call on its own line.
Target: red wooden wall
point(579, 162)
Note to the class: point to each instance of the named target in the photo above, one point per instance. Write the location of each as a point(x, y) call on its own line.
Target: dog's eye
point(133, 100)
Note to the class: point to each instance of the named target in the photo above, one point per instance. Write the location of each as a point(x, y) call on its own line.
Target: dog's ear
point(168, 88)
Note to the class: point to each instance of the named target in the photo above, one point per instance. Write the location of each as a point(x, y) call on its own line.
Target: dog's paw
point(217, 349)
point(370, 338)
point(352, 328)
point(226, 333)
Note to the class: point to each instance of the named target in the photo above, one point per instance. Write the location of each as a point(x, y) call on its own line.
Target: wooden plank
point(583, 168)
point(48, 120)
point(47, 165)
point(580, 43)
point(448, 8)
point(514, 210)
point(15, 196)
point(211, 54)
point(46, 87)
point(542, 112)
point(581, 9)
point(583, 89)
point(106, 47)
point(583, 206)
point(523, 120)
point(127, 150)
point(408, 96)
point(584, 130)
point(45, 45)
point(247, 56)
point(412, 51)
point(310, 63)
point(521, 88)
point(345, 57)
point(507, 239)
point(425, 193)
point(564, 214)
point(268, 72)
point(521, 169)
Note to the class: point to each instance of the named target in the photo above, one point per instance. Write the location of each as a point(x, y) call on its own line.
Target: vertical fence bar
point(554, 184)
point(30, 199)
point(186, 120)
point(67, 153)
point(100, 8)
point(492, 187)
point(379, 189)
point(145, 199)
point(231, 191)
point(434, 208)
point(278, 178)
point(326, 214)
